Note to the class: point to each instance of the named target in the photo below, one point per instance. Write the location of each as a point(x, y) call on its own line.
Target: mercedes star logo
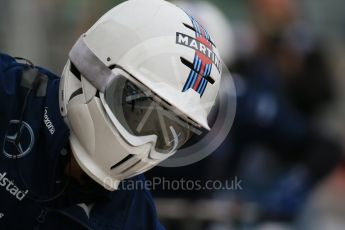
point(25, 143)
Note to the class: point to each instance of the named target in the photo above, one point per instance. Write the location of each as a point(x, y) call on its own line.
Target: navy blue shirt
point(33, 156)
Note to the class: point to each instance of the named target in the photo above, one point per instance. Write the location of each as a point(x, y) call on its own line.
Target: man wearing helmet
point(129, 97)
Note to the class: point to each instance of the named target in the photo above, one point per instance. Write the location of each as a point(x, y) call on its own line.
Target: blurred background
point(287, 58)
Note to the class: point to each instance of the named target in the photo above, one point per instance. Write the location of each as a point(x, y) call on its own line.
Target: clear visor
point(142, 113)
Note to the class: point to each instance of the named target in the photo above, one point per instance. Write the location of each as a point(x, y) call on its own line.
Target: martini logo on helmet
point(199, 76)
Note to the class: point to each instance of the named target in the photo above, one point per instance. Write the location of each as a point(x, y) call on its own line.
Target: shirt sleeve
point(8, 73)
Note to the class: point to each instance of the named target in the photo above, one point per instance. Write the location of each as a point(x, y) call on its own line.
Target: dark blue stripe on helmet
point(209, 70)
point(198, 27)
point(199, 65)
point(206, 70)
point(203, 89)
point(195, 76)
point(207, 35)
point(201, 85)
point(195, 62)
point(189, 79)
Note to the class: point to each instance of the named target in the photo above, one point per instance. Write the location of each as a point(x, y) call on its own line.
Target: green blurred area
point(45, 30)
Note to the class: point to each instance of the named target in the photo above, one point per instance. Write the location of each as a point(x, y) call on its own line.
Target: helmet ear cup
point(81, 123)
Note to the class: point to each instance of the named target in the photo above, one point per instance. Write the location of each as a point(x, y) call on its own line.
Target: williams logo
point(18, 144)
point(10, 187)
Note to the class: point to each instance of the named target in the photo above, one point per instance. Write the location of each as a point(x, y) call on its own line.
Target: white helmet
point(217, 24)
point(135, 87)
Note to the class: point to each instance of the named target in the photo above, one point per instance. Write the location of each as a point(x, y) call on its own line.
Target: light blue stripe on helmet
point(195, 76)
point(204, 87)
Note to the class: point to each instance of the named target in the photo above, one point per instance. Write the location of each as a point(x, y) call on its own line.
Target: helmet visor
point(142, 113)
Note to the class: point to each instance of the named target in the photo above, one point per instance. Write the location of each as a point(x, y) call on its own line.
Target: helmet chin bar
point(86, 163)
point(90, 146)
point(154, 155)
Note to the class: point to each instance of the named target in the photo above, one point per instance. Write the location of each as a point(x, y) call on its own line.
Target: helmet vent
point(125, 164)
point(187, 63)
point(191, 66)
point(112, 67)
point(189, 27)
point(75, 71)
point(130, 167)
point(193, 29)
point(76, 93)
point(127, 158)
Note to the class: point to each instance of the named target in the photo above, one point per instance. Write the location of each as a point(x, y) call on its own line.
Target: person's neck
point(73, 169)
